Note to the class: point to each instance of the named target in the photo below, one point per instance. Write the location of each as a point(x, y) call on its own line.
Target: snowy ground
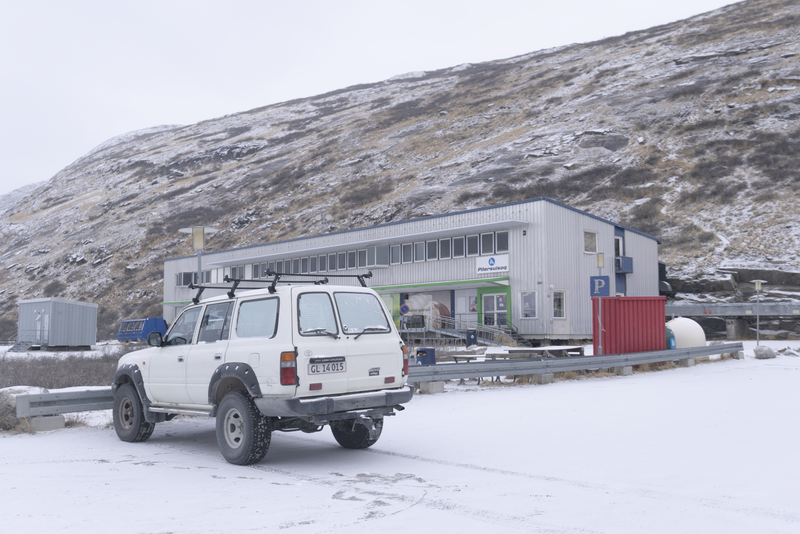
point(711, 448)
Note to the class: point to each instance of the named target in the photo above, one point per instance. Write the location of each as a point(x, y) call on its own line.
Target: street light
point(600, 307)
point(758, 308)
point(198, 243)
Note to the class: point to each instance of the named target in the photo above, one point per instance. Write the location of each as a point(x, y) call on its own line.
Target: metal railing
point(444, 325)
point(67, 402)
point(103, 399)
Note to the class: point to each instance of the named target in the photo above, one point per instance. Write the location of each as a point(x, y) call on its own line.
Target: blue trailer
point(138, 329)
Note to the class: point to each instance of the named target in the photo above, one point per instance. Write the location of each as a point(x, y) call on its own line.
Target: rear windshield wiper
point(321, 330)
point(372, 329)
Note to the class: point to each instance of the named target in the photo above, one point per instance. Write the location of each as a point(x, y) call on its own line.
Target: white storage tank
point(688, 333)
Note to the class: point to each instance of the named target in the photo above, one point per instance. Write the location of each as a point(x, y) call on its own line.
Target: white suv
point(288, 357)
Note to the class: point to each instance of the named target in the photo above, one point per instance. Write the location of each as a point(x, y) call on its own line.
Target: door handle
point(180, 358)
point(218, 356)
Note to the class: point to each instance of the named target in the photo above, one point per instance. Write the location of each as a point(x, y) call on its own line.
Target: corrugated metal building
point(525, 265)
point(56, 322)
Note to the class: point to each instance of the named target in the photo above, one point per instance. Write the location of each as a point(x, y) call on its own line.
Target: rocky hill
point(688, 131)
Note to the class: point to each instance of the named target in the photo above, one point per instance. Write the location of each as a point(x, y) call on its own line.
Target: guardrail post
point(44, 423)
point(542, 378)
point(687, 362)
point(625, 370)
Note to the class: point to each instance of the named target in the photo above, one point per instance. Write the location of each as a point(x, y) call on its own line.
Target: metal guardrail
point(103, 399)
point(450, 371)
point(733, 309)
point(67, 402)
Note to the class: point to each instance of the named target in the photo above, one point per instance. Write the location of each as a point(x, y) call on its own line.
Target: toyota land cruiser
point(291, 356)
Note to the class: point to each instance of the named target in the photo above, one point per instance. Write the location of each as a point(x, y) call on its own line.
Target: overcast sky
point(76, 73)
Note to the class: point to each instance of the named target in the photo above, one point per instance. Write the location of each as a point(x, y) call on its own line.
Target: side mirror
point(154, 339)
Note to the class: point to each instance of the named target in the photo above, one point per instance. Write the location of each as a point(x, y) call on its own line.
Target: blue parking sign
point(599, 286)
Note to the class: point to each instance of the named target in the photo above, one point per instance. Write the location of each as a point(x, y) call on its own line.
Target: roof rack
point(276, 277)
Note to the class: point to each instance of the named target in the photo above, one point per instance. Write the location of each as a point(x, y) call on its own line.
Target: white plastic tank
point(688, 333)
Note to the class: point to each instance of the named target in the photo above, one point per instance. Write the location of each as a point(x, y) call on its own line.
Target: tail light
point(405, 361)
point(288, 369)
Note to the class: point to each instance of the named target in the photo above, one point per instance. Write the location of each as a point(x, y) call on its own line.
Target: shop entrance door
point(495, 310)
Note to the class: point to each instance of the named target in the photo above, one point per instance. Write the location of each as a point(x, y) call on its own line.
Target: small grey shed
point(56, 323)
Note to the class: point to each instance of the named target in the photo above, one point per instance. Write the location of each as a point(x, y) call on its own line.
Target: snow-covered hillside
point(688, 131)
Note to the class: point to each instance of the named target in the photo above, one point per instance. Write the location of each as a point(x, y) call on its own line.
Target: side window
point(590, 242)
point(183, 329)
point(559, 305)
point(528, 304)
point(315, 315)
point(216, 323)
point(472, 245)
point(361, 313)
point(458, 247)
point(257, 318)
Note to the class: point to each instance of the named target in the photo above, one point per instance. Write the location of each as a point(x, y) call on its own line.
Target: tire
point(243, 433)
point(129, 421)
point(355, 436)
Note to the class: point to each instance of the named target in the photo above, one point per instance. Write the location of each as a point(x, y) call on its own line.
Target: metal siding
point(630, 324)
point(643, 282)
point(70, 323)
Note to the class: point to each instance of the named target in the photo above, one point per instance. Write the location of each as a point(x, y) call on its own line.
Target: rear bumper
point(330, 408)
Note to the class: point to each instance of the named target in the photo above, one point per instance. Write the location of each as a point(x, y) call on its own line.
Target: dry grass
point(8, 417)
point(55, 372)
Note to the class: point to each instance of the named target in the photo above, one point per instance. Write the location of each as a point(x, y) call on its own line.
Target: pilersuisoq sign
point(492, 264)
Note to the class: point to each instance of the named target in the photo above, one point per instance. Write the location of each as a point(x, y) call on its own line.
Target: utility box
point(56, 323)
point(630, 324)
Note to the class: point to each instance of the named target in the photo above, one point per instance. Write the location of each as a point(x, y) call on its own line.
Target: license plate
point(322, 366)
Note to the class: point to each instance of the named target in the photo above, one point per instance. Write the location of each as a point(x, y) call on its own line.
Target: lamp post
point(600, 307)
point(758, 309)
point(198, 243)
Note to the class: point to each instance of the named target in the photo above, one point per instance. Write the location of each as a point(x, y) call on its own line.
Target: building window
point(263, 270)
point(433, 250)
point(271, 266)
point(458, 247)
point(419, 251)
point(382, 256)
point(487, 243)
point(296, 266)
point(342, 261)
point(304, 265)
point(528, 304)
point(279, 266)
point(472, 245)
point(323, 263)
point(371, 256)
point(590, 242)
point(408, 253)
point(362, 258)
point(619, 246)
point(394, 255)
point(502, 242)
point(351, 259)
point(444, 249)
point(559, 305)
point(312, 264)
point(332, 262)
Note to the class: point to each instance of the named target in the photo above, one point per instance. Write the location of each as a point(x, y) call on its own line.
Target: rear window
point(315, 315)
point(257, 318)
point(361, 312)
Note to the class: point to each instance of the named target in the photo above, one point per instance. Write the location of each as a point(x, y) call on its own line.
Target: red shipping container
point(630, 324)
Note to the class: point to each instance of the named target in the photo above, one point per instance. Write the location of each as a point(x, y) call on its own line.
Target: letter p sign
point(598, 286)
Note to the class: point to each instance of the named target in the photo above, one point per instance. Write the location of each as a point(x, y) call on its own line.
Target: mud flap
point(367, 422)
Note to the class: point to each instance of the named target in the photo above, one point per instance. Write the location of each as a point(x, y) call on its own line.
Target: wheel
point(129, 421)
point(243, 433)
point(352, 435)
